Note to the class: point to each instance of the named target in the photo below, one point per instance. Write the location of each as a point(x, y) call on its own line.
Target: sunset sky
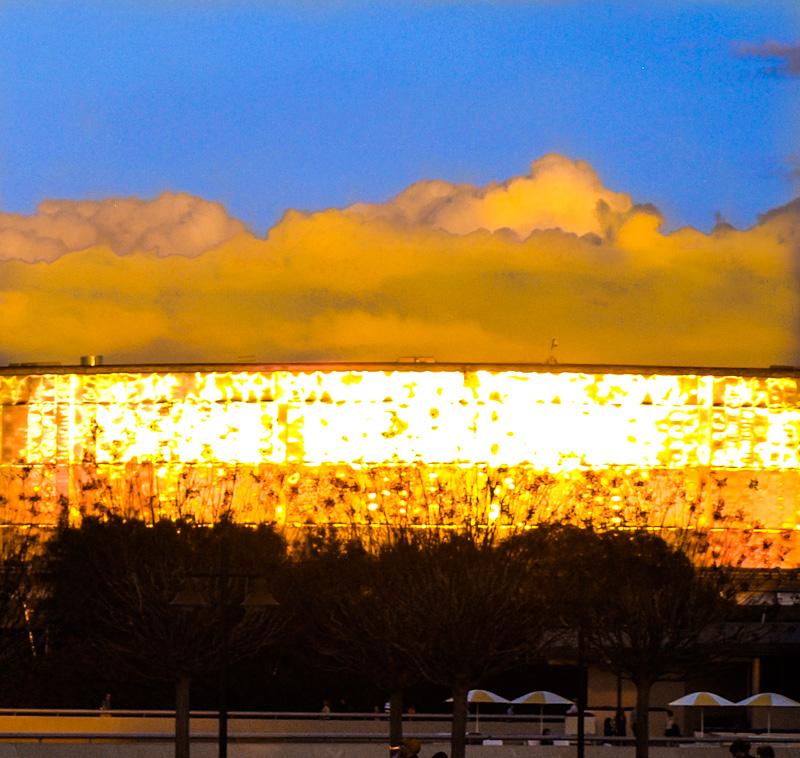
point(208, 180)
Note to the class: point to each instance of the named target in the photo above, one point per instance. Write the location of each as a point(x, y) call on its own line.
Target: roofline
point(40, 369)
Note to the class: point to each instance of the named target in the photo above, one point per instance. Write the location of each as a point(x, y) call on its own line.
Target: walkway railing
point(94, 726)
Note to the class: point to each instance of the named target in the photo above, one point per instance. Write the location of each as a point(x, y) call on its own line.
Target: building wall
point(396, 443)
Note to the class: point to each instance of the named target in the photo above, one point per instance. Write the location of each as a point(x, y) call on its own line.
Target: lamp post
point(258, 596)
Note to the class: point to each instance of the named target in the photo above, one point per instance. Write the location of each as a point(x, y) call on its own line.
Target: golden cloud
point(356, 285)
point(557, 194)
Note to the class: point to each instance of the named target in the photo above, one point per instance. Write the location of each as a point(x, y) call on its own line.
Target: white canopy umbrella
point(541, 698)
point(769, 700)
point(481, 696)
point(484, 696)
point(702, 699)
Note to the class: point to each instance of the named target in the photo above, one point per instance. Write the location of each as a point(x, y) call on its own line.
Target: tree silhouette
point(648, 608)
point(21, 596)
point(351, 605)
point(113, 583)
point(474, 606)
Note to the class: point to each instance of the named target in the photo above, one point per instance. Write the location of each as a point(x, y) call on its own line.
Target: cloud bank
point(453, 271)
point(557, 194)
point(172, 224)
point(787, 55)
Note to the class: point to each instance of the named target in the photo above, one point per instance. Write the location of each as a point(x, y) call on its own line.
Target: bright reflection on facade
point(399, 444)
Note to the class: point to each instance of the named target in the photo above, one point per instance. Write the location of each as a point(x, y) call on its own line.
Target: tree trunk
point(458, 735)
point(182, 717)
point(582, 703)
point(643, 718)
point(395, 718)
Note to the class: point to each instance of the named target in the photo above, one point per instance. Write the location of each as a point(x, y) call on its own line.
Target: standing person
point(608, 728)
point(105, 706)
point(671, 728)
point(740, 749)
point(621, 725)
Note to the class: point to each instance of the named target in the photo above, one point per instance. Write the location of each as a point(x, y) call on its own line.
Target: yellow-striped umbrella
point(702, 699)
point(769, 700)
point(481, 696)
point(541, 698)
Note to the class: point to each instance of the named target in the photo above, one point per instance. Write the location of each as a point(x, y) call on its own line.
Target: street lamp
point(258, 596)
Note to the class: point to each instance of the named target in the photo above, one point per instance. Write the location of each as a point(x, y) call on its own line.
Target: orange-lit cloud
point(376, 283)
point(171, 224)
point(557, 194)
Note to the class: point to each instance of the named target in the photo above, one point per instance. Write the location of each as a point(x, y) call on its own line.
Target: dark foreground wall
point(343, 750)
point(96, 736)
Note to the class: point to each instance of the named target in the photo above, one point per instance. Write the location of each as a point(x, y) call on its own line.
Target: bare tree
point(646, 607)
point(21, 595)
point(437, 605)
point(351, 605)
point(474, 606)
point(114, 582)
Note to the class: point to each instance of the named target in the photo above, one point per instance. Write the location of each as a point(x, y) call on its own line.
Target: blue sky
point(268, 106)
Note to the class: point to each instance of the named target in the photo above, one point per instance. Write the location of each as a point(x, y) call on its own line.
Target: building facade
point(419, 444)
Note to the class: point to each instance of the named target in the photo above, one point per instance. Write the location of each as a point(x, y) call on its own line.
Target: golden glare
point(332, 445)
point(551, 421)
